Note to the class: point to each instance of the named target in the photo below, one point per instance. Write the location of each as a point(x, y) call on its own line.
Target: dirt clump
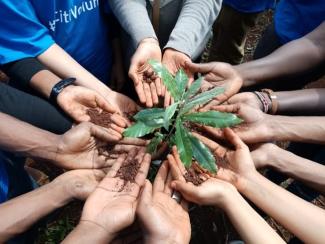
point(129, 170)
point(100, 118)
point(193, 176)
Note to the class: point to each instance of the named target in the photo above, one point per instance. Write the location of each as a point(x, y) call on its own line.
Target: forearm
point(306, 101)
point(133, 16)
point(68, 67)
point(309, 172)
point(19, 214)
point(193, 25)
point(23, 138)
point(297, 128)
point(301, 218)
point(250, 226)
point(95, 234)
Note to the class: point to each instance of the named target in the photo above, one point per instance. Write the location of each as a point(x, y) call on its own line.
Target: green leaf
point(181, 79)
point(194, 88)
point(169, 113)
point(149, 114)
point(203, 155)
point(183, 144)
point(138, 129)
point(152, 147)
point(213, 118)
point(167, 79)
point(202, 99)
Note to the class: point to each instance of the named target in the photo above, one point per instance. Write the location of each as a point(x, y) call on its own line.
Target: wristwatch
point(58, 88)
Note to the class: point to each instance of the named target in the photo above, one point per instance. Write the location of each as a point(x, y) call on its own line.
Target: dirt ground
point(208, 225)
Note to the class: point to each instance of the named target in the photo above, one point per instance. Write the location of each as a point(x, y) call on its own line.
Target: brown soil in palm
point(129, 170)
point(100, 118)
point(193, 176)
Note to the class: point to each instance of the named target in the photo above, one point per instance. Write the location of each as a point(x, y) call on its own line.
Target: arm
point(295, 57)
point(133, 16)
point(20, 213)
point(309, 172)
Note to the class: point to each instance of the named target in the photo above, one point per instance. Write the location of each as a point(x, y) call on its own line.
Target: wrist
point(48, 148)
point(150, 40)
point(58, 193)
point(171, 239)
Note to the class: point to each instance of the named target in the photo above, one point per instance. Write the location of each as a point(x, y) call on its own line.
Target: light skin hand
point(175, 60)
point(163, 219)
point(147, 85)
point(111, 207)
point(218, 74)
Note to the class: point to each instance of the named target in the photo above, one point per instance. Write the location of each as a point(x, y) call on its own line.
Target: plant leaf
point(167, 79)
point(181, 80)
point(149, 114)
point(152, 147)
point(194, 88)
point(183, 144)
point(169, 113)
point(138, 129)
point(202, 99)
point(203, 155)
point(213, 118)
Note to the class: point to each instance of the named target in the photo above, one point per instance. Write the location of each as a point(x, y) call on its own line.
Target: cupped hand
point(256, 128)
point(175, 60)
point(218, 74)
point(163, 219)
point(76, 100)
point(147, 85)
point(235, 165)
point(247, 98)
point(113, 204)
point(80, 147)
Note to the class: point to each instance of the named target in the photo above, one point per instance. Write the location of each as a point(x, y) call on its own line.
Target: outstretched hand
point(218, 74)
point(163, 219)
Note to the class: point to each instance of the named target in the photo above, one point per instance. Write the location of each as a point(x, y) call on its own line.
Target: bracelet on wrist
point(58, 88)
point(274, 100)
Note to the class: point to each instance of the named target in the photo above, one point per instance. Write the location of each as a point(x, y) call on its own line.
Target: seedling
point(171, 124)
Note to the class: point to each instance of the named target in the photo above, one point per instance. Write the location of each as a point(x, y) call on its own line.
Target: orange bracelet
point(273, 99)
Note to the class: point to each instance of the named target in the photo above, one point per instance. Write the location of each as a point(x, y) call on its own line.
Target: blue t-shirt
point(29, 27)
point(250, 6)
point(295, 18)
point(4, 182)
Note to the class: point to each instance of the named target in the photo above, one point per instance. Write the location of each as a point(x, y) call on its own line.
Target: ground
point(208, 225)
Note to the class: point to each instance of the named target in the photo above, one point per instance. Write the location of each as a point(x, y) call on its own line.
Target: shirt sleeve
point(193, 25)
point(133, 17)
point(22, 34)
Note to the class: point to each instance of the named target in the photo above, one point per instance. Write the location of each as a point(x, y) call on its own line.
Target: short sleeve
point(22, 34)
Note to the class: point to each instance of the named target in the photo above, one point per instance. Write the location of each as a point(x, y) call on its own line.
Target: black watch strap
point(57, 89)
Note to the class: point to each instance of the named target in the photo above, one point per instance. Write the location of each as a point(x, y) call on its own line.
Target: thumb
point(103, 134)
point(103, 104)
point(145, 195)
point(133, 73)
point(188, 191)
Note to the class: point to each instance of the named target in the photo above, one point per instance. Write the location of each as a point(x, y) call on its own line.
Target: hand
point(218, 74)
point(125, 105)
point(79, 184)
point(80, 147)
point(212, 192)
point(256, 127)
point(248, 98)
point(265, 155)
point(235, 166)
point(175, 60)
point(164, 220)
point(147, 85)
point(76, 100)
point(113, 204)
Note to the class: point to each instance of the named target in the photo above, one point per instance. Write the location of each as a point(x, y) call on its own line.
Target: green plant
point(171, 124)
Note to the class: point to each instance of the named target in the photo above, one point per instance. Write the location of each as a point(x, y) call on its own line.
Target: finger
point(212, 145)
point(134, 141)
point(234, 139)
point(163, 89)
point(141, 93)
point(154, 93)
point(143, 171)
point(178, 160)
point(188, 190)
point(116, 128)
point(167, 189)
point(104, 134)
point(199, 68)
point(125, 148)
point(176, 172)
point(167, 99)
point(114, 133)
point(147, 93)
point(103, 104)
point(158, 86)
point(116, 166)
point(146, 195)
point(232, 108)
point(118, 120)
point(159, 183)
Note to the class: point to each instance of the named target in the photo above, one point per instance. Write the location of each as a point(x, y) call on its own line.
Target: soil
point(192, 176)
point(99, 118)
point(129, 170)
